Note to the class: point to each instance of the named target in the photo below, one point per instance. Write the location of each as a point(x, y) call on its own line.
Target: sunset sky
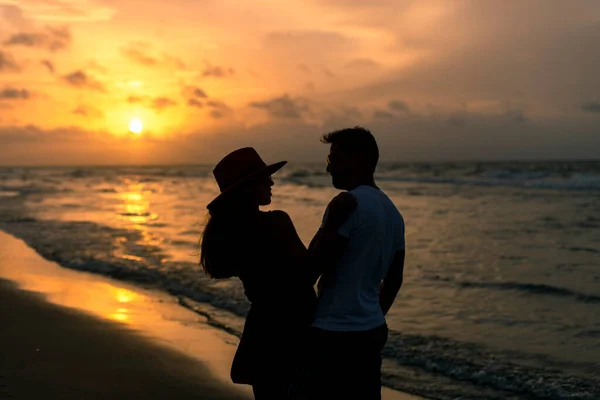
point(433, 80)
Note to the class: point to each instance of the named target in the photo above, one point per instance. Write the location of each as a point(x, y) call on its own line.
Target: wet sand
point(54, 352)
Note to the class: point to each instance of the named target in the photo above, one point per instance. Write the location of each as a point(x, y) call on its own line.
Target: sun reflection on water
point(123, 296)
point(135, 212)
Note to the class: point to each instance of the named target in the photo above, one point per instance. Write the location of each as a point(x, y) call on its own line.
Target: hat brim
point(268, 170)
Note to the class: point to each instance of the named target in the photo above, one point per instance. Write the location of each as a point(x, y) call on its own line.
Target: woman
point(264, 251)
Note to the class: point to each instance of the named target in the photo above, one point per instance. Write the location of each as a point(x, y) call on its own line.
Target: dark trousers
point(345, 364)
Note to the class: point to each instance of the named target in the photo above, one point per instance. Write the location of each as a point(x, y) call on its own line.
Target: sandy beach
point(59, 353)
point(74, 335)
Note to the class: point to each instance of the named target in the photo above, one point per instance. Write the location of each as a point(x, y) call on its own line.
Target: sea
point(501, 294)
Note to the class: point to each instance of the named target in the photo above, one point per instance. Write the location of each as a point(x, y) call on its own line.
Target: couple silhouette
point(316, 325)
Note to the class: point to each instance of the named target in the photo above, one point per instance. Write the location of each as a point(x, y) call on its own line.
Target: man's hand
point(391, 284)
point(339, 209)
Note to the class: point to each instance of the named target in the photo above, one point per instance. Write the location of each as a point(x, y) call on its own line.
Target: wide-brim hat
point(238, 167)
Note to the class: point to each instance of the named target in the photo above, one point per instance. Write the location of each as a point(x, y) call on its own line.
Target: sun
point(135, 125)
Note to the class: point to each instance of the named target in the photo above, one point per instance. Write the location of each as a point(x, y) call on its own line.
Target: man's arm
point(327, 246)
point(325, 250)
point(392, 282)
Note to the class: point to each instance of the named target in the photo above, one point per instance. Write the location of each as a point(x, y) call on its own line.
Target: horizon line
point(449, 161)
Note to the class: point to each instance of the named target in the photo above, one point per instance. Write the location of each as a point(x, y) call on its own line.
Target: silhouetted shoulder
point(279, 217)
point(279, 214)
point(285, 232)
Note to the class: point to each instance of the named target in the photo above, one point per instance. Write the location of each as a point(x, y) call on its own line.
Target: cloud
point(48, 64)
point(591, 107)
point(8, 63)
point(218, 109)
point(398, 105)
point(81, 80)
point(88, 111)
point(304, 68)
point(352, 112)
point(362, 63)
point(195, 96)
point(327, 71)
point(31, 134)
point(162, 103)
point(13, 15)
point(304, 42)
point(195, 103)
point(95, 66)
point(458, 119)
point(217, 114)
point(477, 56)
point(172, 61)
point(142, 53)
point(283, 107)
point(61, 10)
point(200, 93)
point(137, 99)
point(71, 145)
point(342, 116)
point(382, 114)
point(216, 71)
point(138, 52)
point(156, 103)
point(14, 94)
point(52, 39)
point(414, 136)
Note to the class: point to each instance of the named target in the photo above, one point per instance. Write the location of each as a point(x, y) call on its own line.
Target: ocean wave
point(480, 366)
point(584, 249)
point(529, 288)
point(32, 188)
point(533, 288)
point(9, 193)
point(570, 176)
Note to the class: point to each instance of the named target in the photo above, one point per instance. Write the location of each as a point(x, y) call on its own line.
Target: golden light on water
point(122, 317)
point(124, 295)
point(136, 126)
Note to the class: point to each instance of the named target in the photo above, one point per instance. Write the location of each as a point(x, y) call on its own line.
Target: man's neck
point(363, 181)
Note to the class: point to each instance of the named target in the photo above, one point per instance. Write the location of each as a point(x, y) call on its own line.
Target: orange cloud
point(48, 64)
point(81, 80)
point(218, 109)
point(161, 103)
point(14, 94)
point(216, 71)
point(8, 63)
point(52, 39)
point(141, 53)
point(156, 103)
point(88, 111)
point(283, 107)
point(57, 10)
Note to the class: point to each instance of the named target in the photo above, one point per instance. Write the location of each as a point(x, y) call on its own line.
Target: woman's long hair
point(225, 233)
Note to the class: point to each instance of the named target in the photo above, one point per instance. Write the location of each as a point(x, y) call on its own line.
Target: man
point(362, 276)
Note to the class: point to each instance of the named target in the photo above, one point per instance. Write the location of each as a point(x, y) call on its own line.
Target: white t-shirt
point(349, 291)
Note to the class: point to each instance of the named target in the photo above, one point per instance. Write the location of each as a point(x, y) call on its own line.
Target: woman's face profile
point(260, 190)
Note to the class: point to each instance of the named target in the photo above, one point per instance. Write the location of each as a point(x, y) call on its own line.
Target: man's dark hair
point(355, 140)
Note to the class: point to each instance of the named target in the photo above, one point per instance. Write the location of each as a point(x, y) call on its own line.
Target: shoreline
point(150, 321)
